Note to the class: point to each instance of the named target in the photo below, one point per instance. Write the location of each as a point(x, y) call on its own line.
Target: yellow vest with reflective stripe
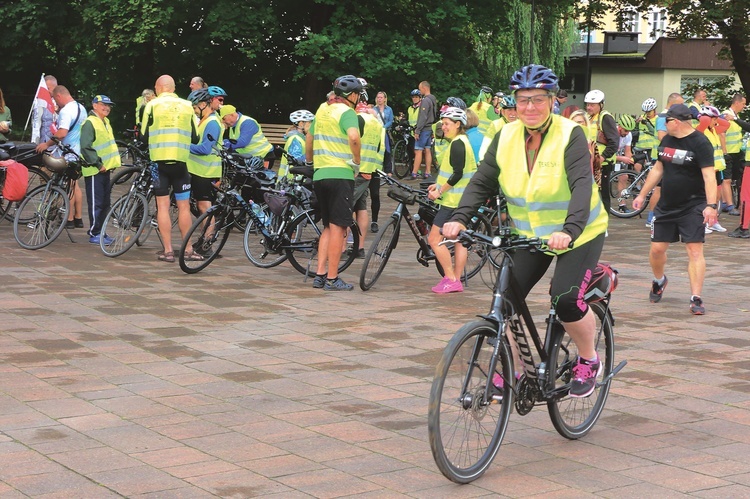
point(492, 130)
point(170, 134)
point(413, 113)
point(596, 128)
point(452, 197)
point(713, 137)
point(733, 137)
point(538, 202)
point(484, 120)
point(104, 145)
point(330, 144)
point(647, 136)
point(258, 146)
point(294, 136)
point(373, 144)
point(208, 166)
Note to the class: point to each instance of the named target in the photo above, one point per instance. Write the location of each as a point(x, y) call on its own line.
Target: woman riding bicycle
point(542, 164)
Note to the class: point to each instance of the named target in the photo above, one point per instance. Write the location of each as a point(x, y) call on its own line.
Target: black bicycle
point(403, 148)
point(26, 155)
point(625, 185)
point(385, 242)
point(474, 388)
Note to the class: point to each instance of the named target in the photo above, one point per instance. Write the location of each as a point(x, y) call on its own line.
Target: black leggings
point(571, 278)
point(375, 197)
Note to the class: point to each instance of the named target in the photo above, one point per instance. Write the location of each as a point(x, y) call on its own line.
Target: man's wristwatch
point(713, 205)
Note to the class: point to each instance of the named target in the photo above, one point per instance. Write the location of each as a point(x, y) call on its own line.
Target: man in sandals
point(169, 128)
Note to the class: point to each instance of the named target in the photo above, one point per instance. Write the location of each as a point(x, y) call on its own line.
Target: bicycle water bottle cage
point(402, 195)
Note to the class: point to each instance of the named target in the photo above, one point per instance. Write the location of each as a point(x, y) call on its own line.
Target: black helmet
point(347, 84)
point(486, 90)
point(456, 102)
point(198, 96)
point(534, 76)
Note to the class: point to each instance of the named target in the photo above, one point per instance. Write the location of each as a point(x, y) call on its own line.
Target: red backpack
point(16, 180)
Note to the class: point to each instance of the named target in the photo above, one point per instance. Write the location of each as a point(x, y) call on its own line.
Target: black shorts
point(688, 227)
point(335, 200)
point(443, 215)
point(361, 193)
point(203, 188)
point(172, 174)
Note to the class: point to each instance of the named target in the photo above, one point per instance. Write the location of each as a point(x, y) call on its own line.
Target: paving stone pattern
point(126, 377)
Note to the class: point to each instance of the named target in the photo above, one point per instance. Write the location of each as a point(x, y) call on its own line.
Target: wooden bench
point(274, 133)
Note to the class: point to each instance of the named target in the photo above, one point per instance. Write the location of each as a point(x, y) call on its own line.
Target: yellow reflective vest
point(538, 202)
point(258, 146)
point(330, 144)
point(208, 166)
point(170, 133)
point(452, 197)
point(734, 135)
point(492, 130)
point(295, 136)
point(104, 145)
point(413, 113)
point(373, 144)
point(713, 137)
point(596, 128)
point(484, 120)
point(647, 138)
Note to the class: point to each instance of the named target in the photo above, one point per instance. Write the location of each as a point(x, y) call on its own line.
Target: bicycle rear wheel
point(401, 164)
point(466, 431)
point(378, 254)
point(623, 190)
point(265, 252)
point(37, 178)
point(304, 234)
point(124, 224)
point(205, 239)
point(574, 417)
point(41, 217)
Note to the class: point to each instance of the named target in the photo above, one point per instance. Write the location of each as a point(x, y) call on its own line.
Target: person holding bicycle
point(456, 169)
point(203, 164)
point(542, 164)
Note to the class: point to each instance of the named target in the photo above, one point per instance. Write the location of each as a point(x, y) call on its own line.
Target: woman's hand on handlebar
point(451, 229)
point(559, 241)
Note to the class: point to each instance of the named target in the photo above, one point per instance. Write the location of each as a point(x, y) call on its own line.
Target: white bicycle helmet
point(301, 115)
point(455, 114)
point(648, 105)
point(710, 111)
point(594, 97)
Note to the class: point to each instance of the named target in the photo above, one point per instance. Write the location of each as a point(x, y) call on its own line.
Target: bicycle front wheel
point(623, 189)
point(302, 251)
point(378, 254)
point(465, 426)
point(401, 164)
point(41, 217)
point(124, 224)
point(205, 239)
point(574, 417)
point(264, 252)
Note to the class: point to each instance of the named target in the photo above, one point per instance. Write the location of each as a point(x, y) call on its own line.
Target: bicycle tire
point(378, 254)
point(127, 157)
point(304, 233)
point(150, 220)
point(121, 176)
point(574, 417)
point(477, 254)
point(211, 238)
point(401, 165)
point(256, 244)
point(37, 178)
point(465, 433)
point(621, 200)
point(41, 217)
point(124, 224)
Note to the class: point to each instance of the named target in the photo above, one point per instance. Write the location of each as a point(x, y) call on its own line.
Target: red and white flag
point(42, 100)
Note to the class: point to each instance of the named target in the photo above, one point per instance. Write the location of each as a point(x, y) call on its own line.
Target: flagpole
point(31, 111)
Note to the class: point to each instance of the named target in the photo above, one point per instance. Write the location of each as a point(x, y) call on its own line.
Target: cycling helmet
point(215, 91)
point(486, 90)
point(594, 97)
point(363, 97)
point(415, 93)
point(363, 82)
point(456, 102)
point(198, 96)
point(455, 114)
point(648, 105)
point(534, 76)
point(499, 94)
point(626, 122)
point(710, 111)
point(347, 84)
point(508, 102)
point(55, 164)
point(301, 115)
point(254, 162)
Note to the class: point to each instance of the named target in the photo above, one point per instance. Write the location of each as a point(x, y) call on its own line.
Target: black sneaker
point(78, 222)
point(70, 224)
point(696, 306)
point(373, 227)
point(337, 285)
point(657, 291)
point(584, 377)
point(740, 233)
point(319, 281)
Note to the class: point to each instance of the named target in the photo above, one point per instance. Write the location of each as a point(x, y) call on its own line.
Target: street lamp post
point(531, 43)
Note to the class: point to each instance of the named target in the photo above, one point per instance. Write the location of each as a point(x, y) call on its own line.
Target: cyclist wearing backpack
point(541, 163)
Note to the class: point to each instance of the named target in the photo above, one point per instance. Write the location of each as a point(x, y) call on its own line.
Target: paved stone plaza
point(126, 377)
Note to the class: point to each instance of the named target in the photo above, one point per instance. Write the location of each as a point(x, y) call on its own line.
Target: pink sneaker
point(446, 285)
point(498, 381)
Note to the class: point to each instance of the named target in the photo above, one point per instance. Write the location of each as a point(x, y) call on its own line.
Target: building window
point(657, 23)
point(629, 21)
point(698, 81)
point(585, 36)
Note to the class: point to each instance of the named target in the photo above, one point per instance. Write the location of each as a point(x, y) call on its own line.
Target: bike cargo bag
point(16, 180)
point(401, 195)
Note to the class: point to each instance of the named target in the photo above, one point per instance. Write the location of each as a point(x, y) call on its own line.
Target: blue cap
point(103, 99)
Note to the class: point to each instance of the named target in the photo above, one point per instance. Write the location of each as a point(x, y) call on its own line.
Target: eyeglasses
point(536, 100)
point(669, 120)
point(220, 99)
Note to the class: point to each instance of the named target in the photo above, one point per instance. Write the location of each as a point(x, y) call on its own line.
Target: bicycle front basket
point(276, 203)
point(401, 195)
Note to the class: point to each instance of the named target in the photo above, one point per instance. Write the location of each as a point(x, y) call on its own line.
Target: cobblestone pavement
point(126, 377)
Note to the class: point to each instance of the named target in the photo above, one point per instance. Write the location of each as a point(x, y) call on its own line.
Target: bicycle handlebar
point(392, 181)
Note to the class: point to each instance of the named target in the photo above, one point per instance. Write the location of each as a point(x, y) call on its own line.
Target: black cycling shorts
point(172, 174)
point(335, 199)
point(203, 188)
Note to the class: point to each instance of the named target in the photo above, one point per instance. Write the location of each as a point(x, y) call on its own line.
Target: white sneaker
point(718, 228)
point(708, 229)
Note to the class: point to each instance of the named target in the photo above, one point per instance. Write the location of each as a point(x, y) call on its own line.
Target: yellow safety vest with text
point(452, 197)
point(170, 134)
point(258, 146)
point(104, 145)
point(373, 144)
point(330, 144)
point(713, 137)
point(208, 166)
point(538, 202)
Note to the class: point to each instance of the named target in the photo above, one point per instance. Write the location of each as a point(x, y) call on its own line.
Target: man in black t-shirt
point(688, 201)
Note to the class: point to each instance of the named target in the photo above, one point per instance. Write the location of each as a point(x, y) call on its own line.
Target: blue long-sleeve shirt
point(205, 146)
point(387, 116)
point(247, 130)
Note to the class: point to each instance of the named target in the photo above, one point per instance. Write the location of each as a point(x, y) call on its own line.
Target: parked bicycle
point(41, 216)
point(133, 157)
point(402, 153)
point(475, 388)
point(385, 242)
point(625, 185)
point(26, 155)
